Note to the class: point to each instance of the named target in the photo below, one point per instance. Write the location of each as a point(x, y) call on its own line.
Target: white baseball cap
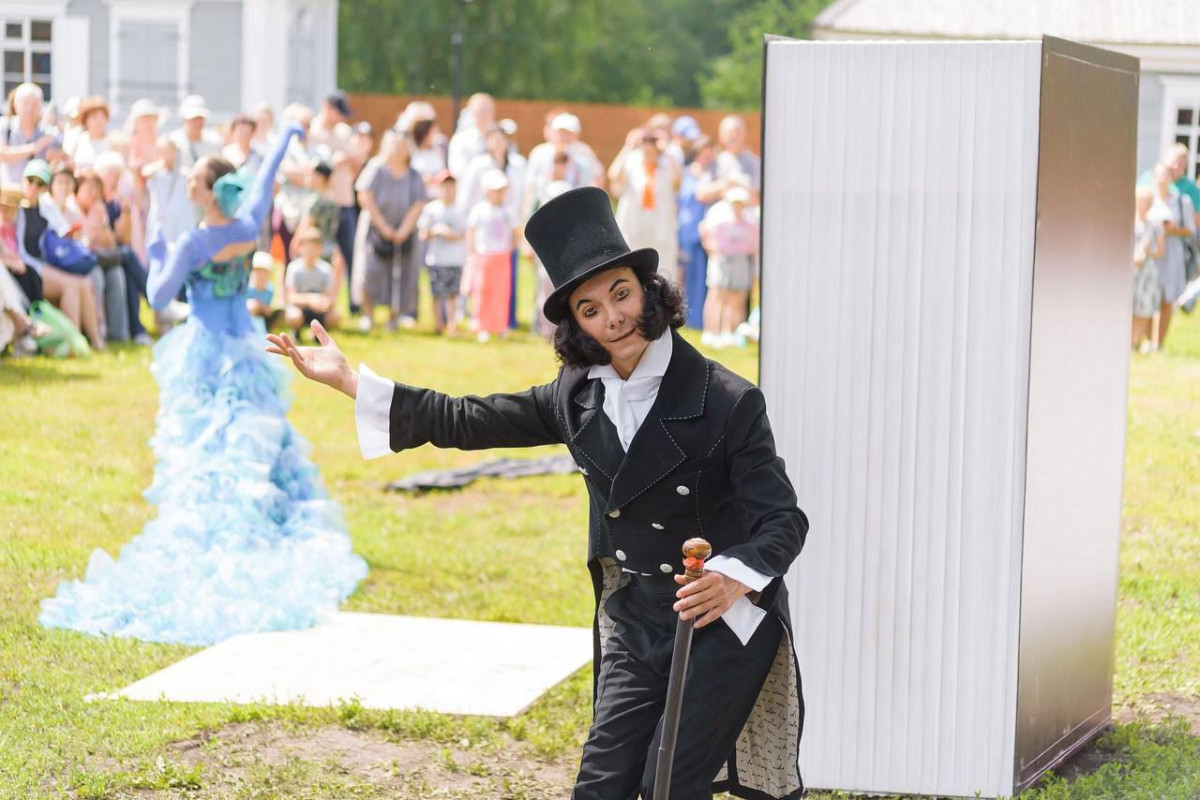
point(737, 194)
point(192, 107)
point(494, 179)
point(566, 122)
point(144, 107)
point(556, 188)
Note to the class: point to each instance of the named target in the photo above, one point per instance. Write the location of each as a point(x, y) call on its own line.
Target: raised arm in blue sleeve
point(254, 208)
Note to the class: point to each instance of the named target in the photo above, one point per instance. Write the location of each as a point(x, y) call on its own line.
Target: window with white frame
point(1187, 131)
point(27, 52)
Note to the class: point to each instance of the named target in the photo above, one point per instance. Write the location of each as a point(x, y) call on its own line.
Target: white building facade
point(1163, 34)
point(233, 52)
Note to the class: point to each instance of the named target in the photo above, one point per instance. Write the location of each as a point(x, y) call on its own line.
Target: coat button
point(620, 555)
point(582, 471)
point(616, 512)
point(666, 568)
point(657, 527)
point(683, 490)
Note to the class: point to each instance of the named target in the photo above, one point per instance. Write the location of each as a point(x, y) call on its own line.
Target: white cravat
point(628, 401)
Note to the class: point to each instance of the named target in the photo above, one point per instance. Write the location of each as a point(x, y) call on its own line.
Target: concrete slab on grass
point(446, 665)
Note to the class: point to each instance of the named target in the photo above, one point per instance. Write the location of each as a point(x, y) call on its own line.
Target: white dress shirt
point(626, 404)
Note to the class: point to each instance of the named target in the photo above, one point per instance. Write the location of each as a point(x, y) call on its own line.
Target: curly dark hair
point(663, 307)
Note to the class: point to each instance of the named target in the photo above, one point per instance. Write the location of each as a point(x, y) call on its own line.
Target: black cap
point(339, 101)
point(323, 168)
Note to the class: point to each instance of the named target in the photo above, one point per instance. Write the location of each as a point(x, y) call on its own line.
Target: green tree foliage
point(671, 52)
point(735, 78)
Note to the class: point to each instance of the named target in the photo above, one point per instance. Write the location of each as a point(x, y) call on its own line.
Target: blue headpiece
point(228, 191)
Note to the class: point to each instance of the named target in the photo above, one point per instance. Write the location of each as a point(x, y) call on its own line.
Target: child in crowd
point(323, 214)
point(62, 191)
point(442, 227)
point(101, 239)
point(309, 288)
point(170, 212)
point(261, 292)
point(730, 235)
point(490, 239)
point(1149, 246)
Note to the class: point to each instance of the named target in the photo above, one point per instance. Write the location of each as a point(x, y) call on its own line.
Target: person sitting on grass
point(309, 288)
point(260, 293)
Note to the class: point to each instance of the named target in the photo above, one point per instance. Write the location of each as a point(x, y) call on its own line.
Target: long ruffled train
point(246, 539)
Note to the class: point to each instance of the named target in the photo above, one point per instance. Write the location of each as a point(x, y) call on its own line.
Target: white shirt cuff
point(734, 568)
point(373, 413)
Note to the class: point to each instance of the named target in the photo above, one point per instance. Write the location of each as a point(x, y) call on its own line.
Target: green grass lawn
point(74, 461)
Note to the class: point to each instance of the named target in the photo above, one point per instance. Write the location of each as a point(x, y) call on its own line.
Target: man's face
point(1179, 165)
point(194, 127)
point(608, 307)
point(29, 107)
point(333, 115)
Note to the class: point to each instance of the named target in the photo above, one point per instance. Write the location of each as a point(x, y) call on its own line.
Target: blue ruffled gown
point(246, 539)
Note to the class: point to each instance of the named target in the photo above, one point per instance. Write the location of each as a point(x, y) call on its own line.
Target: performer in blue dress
point(246, 539)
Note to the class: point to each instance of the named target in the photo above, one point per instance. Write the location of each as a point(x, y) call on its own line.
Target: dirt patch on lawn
point(1150, 709)
point(1156, 708)
point(246, 755)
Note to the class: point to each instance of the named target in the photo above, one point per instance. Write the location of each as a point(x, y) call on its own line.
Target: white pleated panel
point(899, 207)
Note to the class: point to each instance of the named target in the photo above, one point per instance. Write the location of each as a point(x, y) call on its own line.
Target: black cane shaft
point(672, 710)
point(696, 551)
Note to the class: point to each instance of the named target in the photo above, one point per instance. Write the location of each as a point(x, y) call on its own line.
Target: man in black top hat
point(670, 446)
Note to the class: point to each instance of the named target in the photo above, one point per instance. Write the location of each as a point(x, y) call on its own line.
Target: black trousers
point(723, 681)
point(347, 225)
point(30, 282)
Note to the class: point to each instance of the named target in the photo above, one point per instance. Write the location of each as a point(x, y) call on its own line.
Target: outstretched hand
point(324, 364)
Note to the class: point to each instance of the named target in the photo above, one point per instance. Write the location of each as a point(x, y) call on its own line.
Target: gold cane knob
point(696, 552)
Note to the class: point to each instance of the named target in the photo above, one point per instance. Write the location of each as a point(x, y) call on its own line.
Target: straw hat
point(10, 195)
point(90, 105)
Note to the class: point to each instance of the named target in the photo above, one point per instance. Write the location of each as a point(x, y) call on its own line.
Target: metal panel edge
point(1033, 756)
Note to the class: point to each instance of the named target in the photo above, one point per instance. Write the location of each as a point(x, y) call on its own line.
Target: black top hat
point(576, 235)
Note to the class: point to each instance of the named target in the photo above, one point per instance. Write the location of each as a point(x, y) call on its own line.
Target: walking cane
point(696, 551)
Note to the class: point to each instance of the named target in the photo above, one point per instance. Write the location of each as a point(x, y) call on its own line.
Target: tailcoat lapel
point(654, 453)
point(596, 436)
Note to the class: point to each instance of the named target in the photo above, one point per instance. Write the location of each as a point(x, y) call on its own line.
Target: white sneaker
point(175, 312)
point(143, 339)
point(708, 339)
point(25, 346)
point(482, 337)
point(364, 324)
point(408, 323)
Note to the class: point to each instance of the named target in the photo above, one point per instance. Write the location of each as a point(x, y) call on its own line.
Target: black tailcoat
point(703, 463)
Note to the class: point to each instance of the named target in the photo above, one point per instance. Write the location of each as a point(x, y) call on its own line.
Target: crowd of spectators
point(356, 220)
point(1166, 254)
